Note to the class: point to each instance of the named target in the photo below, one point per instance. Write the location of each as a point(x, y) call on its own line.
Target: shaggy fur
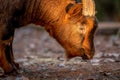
point(63, 19)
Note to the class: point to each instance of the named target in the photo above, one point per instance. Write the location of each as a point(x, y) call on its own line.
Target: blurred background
point(108, 10)
point(108, 15)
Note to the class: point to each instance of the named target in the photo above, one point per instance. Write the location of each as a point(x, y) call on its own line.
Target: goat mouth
point(85, 55)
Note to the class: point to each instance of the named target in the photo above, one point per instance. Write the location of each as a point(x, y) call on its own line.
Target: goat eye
point(83, 22)
point(81, 28)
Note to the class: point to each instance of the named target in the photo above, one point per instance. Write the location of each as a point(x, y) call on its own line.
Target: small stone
point(109, 60)
point(32, 46)
point(61, 65)
point(95, 60)
point(98, 55)
point(1, 72)
point(73, 69)
point(21, 78)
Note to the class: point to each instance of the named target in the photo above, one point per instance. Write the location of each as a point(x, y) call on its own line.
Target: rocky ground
point(42, 58)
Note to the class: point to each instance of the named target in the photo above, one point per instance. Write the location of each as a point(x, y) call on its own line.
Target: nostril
point(84, 56)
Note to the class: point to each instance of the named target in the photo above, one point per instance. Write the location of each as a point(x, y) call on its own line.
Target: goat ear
point(74, 9)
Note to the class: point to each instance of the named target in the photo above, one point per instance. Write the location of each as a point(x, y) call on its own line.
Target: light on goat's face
point(80, 38)
point(76, 34)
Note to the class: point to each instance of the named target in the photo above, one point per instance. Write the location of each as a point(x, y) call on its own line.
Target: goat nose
point(87, 54)
point(84, 57)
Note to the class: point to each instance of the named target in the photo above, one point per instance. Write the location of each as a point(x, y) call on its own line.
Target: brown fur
point(74, 31)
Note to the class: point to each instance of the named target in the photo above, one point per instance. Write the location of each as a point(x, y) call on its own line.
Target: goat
point(72, 24)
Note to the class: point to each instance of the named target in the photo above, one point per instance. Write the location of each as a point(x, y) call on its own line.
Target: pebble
point(98, 55)
point(109, 60)
point(73, 69)
point(1, 72)
point(95, 61)
point(61, 65)
point(21, 78)
point(21, 60)
point(112, 54)
point(32, 45)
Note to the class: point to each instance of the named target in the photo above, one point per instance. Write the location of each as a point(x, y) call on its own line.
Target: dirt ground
point(42, 58)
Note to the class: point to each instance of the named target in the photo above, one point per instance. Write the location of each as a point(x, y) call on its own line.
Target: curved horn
point(88, 8)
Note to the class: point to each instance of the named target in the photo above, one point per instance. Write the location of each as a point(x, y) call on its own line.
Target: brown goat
point(72, 24)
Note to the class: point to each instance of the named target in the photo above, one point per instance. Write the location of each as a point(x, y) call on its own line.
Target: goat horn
point(88, 8)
